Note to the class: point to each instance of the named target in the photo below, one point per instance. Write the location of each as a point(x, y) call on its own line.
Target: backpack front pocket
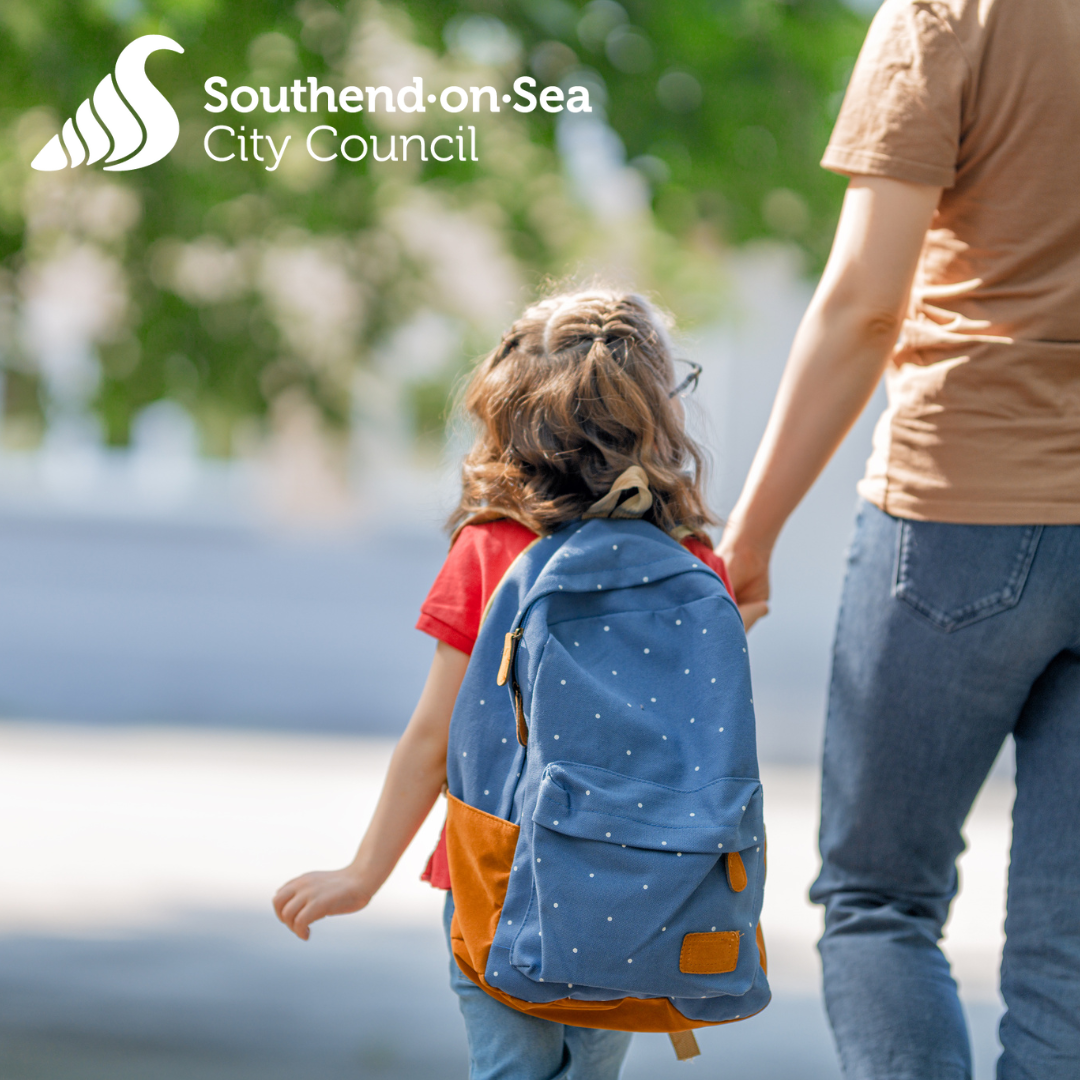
point(624, 869)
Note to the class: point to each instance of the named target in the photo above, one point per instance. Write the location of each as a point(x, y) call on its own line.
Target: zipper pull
point(509, 647)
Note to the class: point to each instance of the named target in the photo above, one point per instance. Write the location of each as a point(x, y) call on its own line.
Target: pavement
point(137, 940)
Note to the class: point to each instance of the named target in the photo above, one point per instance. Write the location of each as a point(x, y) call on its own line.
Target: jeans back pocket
point(956, 575)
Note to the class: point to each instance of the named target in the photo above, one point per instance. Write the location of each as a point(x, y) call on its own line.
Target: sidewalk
point(137, 940)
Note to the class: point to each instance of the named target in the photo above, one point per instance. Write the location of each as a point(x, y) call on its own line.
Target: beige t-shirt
point(981, 97)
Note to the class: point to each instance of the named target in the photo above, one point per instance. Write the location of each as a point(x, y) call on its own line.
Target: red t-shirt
point(480, 557)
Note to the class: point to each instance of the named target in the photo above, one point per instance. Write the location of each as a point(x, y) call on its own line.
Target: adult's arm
point(836, 360)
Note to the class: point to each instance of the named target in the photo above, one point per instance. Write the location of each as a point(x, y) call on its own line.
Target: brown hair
point(576, 392)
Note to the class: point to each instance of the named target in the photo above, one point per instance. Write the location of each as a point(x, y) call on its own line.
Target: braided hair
point(575, 393)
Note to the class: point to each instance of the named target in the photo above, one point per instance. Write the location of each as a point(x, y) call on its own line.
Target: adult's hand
point(836, 360)
point(748, 570)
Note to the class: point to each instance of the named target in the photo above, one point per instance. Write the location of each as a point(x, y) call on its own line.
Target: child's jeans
point(505, 1044)
point(951, 637)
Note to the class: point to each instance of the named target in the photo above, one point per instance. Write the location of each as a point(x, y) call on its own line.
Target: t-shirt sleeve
point(454, 605)
point(902, 112)
point(477, 562)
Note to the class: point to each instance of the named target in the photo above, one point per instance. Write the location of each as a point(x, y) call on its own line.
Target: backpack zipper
point(506, 669)
point(508, 653)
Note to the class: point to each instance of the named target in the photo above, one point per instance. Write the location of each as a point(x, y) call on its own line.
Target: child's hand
point(300, 902)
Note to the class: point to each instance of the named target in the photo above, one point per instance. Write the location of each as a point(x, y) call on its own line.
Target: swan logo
point(116, 123)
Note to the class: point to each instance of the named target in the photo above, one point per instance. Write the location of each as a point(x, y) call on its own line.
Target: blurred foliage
point(721, 103)
point(724, 107)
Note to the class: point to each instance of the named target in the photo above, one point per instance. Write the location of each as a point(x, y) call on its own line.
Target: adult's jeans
point(505, 1044)
point(949, 638)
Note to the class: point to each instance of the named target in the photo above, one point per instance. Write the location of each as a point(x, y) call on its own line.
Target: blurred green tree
point(235, 290)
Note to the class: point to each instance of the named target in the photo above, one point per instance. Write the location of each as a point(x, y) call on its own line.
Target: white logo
point(121, 130)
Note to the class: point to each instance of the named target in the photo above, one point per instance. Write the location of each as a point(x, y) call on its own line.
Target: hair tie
point(629, 496)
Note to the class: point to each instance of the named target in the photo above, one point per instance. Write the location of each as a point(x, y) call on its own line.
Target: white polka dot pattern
point(600, 797)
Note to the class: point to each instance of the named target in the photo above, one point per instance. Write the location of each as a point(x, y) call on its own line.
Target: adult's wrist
point(741, 538)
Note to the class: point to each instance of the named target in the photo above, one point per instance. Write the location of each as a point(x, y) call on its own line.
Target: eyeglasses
point(689, 384)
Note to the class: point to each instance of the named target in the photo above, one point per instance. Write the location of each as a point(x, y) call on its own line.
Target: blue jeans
point(505, 1044)
point(949, 638)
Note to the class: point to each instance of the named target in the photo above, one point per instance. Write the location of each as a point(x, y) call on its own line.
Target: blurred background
point(226, 450)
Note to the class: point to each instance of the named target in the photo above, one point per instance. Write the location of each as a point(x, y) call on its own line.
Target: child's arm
point(416, 775)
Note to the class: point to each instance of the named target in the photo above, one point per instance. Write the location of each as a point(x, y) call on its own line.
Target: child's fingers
point(286, 901)
point(282, 897)
point(293, 908)
point(300, 929)
point(311, 912)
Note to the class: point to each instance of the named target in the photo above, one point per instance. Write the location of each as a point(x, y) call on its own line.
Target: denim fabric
point(505, 1044)
point(949, 638)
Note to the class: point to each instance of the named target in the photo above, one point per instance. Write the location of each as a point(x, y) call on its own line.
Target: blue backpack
point(604, 831)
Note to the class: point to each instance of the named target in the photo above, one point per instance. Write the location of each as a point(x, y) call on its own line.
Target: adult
point(956, 271)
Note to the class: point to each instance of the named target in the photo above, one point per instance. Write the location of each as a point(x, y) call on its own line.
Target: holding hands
point(748, 569)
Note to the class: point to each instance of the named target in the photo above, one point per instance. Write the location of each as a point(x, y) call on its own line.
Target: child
point(582, 388)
